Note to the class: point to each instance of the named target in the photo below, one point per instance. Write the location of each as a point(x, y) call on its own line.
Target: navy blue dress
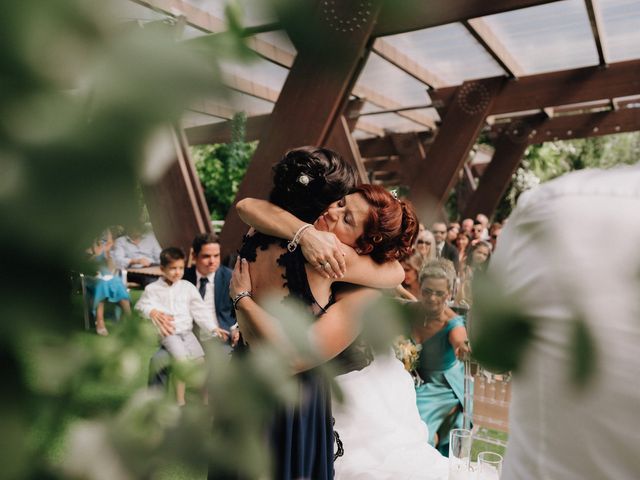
point(301, 436)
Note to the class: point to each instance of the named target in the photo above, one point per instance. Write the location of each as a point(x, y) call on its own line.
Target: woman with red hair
point(379, 393)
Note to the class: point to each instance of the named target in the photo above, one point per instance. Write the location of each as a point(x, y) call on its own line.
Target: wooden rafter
point(206, 22)
point(494, 46)
point(382, 101)
point(595, 19)
point(289, 125)
point(465, 117)
point(559, 88)
point(587, 125)
point(394, 56)
point(409, 15)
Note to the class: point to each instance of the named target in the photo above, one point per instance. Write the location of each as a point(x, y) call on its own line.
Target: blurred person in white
point(559, 431)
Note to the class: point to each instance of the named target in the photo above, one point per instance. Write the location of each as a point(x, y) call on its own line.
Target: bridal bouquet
point(409, 354)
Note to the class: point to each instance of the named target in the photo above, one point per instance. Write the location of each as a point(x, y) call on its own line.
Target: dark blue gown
point(301, 436)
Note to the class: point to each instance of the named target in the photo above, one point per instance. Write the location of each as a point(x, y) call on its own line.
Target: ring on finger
point(326, 265)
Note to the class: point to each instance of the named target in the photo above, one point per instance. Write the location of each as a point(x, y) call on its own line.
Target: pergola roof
point(437, 72)
point(552, 36)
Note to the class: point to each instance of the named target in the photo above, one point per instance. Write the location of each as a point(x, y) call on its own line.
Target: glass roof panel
point(621, 32)
point(393, 83)
point(555, 36)
point(449, 51)
point(260, 71)
point(256, 12)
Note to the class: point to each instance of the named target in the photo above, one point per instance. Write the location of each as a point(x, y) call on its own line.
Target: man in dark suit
point(443, 248)
point(212, 281)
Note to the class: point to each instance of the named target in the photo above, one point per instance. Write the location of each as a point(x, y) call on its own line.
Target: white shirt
point(572, 248)
point(209, 300)
point(182, 300)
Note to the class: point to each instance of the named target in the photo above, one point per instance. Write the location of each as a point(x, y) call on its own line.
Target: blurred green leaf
point(499, 330)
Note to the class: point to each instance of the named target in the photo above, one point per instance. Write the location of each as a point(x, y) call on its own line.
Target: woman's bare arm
point(330, 334)
point(317, 247)
point(362, 270)
point(459, 341)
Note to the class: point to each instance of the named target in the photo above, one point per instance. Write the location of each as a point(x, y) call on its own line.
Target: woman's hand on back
point(324, 252)
point(240, 279)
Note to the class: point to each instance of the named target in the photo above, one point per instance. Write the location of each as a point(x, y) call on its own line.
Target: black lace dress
point(301, 436)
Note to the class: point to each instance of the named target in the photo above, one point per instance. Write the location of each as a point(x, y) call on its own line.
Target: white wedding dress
point(380, 428)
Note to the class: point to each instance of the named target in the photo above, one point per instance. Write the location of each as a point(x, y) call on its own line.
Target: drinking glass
point(489, 466)
point(459, 454)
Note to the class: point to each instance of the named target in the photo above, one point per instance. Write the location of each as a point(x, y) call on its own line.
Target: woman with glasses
point(443, 337)
point(425, 246)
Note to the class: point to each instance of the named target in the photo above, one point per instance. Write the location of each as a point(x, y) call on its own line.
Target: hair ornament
point(303, 179)
point(394, 192)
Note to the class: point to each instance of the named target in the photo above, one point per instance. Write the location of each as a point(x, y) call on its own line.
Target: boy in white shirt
point(170, 296)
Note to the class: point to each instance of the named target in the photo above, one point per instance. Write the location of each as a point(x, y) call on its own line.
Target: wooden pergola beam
point(382, 101)
point(408, 15)
point(432, 182)
point(494, 46)
point(290, 125)
point(587, 125)
point(176, 202)
point(595, 20)
point(386, 146)
point(559, 88)
point(411, 67)
point(509, 149)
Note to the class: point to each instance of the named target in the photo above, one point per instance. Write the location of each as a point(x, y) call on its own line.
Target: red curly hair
point(391, 228)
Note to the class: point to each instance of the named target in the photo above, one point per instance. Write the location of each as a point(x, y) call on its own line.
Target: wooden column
point(342, 142)
point(176, 202)
point(311, 100)
point(509, 149)
point(412, 155)
point(461, 125)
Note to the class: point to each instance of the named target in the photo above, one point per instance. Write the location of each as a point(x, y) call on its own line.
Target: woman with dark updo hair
point(315, 182)
point(381, 413)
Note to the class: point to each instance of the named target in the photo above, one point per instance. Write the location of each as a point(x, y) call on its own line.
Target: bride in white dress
point(380, 428)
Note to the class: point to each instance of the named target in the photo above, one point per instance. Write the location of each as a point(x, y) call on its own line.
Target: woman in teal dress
point(444, 340)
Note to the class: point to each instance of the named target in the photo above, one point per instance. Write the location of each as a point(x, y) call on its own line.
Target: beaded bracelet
point(293, 244)
point(240, 296)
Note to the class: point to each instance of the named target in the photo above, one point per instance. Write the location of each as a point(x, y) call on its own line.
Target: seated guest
point(477, 233)
point(477, 260)
point(136, 250)
point(453, 229)
point(212, 281)
point(463, 241)
point(443, 337)
point(109, 286)
point(179, 300)
point(466, 226)
point(425, 247)
point(444, 249)
point(494, 233)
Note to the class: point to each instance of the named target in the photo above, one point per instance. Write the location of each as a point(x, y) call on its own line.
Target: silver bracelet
point(293, 244)
point(240, 296)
